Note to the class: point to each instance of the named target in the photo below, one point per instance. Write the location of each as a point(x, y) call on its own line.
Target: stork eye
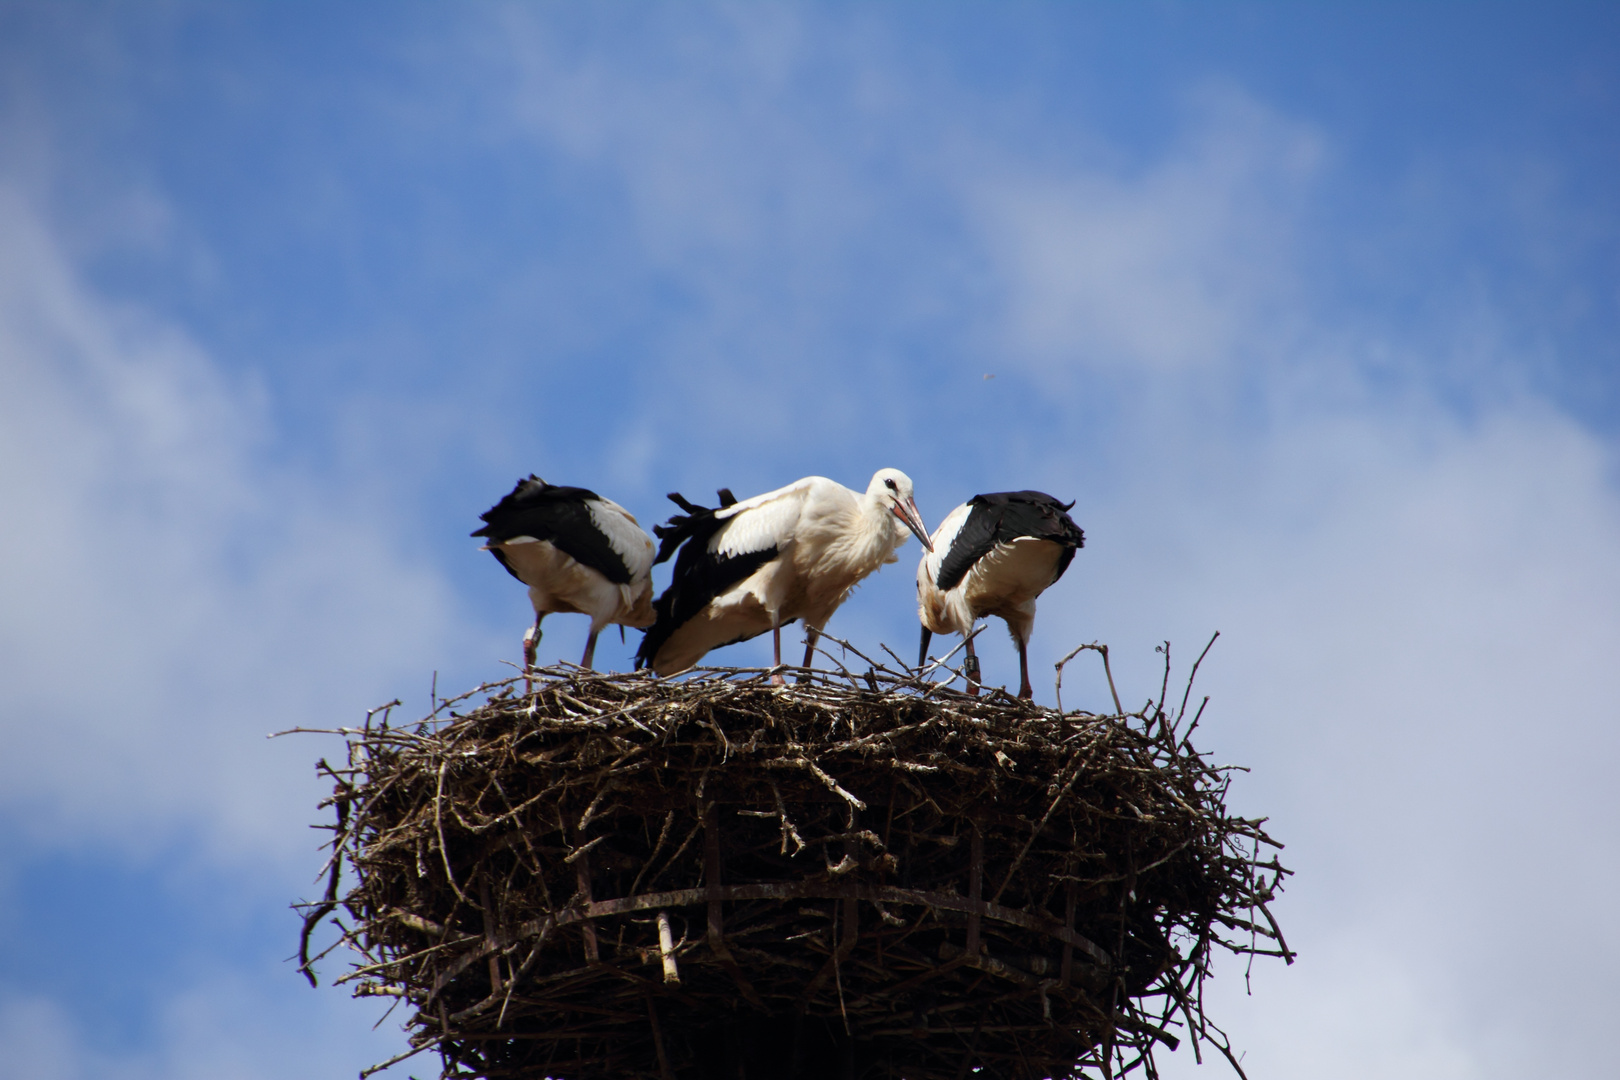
point(889, 483)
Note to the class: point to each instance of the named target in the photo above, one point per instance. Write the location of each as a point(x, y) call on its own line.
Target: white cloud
point(1351, 1008)
point(732, 180)
point(168, 596)
point(1419, 620)
point(1420, 613)
point(1171, 265)
point(222, 1025)
point(40, 1041)
point(1419, 593)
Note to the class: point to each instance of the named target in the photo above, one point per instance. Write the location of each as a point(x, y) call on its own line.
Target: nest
point(614, 875)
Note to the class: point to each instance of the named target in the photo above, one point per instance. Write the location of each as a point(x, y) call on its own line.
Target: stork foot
point(970, 670)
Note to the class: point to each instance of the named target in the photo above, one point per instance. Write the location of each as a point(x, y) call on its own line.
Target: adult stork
point(756, 565)
point(993, 555)
point(577, 552)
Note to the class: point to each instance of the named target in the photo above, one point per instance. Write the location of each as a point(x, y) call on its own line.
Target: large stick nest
point(622, 876)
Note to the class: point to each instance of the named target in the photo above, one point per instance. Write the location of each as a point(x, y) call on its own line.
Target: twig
point(397, 1058)
point(1194, 674)
point(1119, 710)
point(330, 901)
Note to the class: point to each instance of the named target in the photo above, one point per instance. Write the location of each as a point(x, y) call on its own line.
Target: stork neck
point(882, 529)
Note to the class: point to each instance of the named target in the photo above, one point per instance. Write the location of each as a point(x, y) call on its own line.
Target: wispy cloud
point(1171, 264)
point(222, 1025)
point(169, 597)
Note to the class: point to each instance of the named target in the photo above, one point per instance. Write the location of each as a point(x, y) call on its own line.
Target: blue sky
point(1314, 310)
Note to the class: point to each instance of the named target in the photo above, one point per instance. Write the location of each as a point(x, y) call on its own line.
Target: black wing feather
point(1002, 517)
point(700, 575)
point(557, 514)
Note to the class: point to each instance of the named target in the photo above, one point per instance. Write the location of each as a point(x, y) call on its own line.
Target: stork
point(577, 552)
point(993, 555)
point(756, 565)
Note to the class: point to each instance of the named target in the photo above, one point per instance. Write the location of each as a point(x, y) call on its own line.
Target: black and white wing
point(1002, 518)
point(704, 568)
point(624, 535)
point(767, 521)
point(591, 530)
point(944, 540)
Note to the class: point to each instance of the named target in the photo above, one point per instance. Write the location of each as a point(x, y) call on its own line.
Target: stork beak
point(907, 512)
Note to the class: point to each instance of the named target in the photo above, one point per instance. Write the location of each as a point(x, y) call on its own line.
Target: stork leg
point(590, 649)
point(531, 643)
point(970, 668)
point(1024, 689)
point(776, 643)
point(811, 634)
point(531, 646)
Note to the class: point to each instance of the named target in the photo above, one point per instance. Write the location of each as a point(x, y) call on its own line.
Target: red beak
point(907, 512)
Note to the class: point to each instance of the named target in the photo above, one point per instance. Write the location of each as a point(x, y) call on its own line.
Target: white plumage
point(756, 565)
point(577, 552)
point(993, 555)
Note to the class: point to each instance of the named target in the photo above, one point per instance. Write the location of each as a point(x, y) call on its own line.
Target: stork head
point(891, 489)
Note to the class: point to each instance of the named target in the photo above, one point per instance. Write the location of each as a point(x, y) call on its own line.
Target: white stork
point(756, 565)
point(993, 555)
point(577, 552)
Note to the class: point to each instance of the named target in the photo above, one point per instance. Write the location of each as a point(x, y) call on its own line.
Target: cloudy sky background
point(1314, 311)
